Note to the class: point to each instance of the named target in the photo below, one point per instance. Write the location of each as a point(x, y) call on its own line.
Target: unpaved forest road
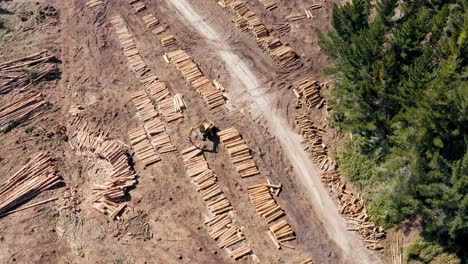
point(323, 205)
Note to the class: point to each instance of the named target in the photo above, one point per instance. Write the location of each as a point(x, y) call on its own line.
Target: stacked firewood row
point(307, 92)
point(30, 105)
point(154, 128)
point(269, 4)
point(94, 3)
point(202, 85)
point(239, 152)
point(35, 177)
point(22, 72)
point(142, 147)
point(131, 52)
point(350, 204)
point(167, 39)
point(110, 194)
point(222, 227)
point(246, 19)
point(150, 20)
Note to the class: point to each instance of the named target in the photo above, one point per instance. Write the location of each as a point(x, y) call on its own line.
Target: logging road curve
point(324, 207)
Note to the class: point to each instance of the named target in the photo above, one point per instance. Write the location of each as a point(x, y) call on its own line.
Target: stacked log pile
point(29, 106)
point(239, 152)
point(222, 227)
point(158, 137)
point(194, 76)
point(282, 29)
point(35, 177)
point(167, 39)
point(22, 72)
point(94, 3)
point(167, 108)
point(179, 103)
point(134, 59)
point(307, 92)
point(142, 147)
point(150, 20)
point(295, 17)
point(111, 194)
point(269, 4)
point(282, 232)
point(246, 19)
point(138, 6)
point(350, 204)
point(157, 90)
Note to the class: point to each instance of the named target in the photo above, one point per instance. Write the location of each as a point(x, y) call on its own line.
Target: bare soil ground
point(164, 220)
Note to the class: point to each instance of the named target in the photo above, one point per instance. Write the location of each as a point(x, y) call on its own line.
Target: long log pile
point(222, 227)
point(350, 204)
point(35, 177)
point(22, 72)
point(269, 4)
point(135, 61)
point(195, 77)
point(29, 106)
point(111, 194)
point(246, 19)
point(307, 92)
point(239, 152)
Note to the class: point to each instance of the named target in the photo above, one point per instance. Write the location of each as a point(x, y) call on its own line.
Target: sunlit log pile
point(190, 71)
point(142, 147)
point(222, 227)
point(269, 4)
point(307, 92)
point(30, 105)
point(23, 72)
point(150, 20)
point(350, 204)
point(35, 177)
point(246, 19)
point(111, 193)
point(166, 38)
point(239, 152)
point(94, 4)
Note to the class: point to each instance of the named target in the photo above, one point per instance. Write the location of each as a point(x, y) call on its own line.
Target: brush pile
point(350, 204)
point(195, 77)
point(239, 152)
point(23, 72)
point(29, 106)
point(35, 177)
point(222, 227)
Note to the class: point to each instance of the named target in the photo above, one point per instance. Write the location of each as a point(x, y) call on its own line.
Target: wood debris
point(222, 227)
point(308, 93)
point(239, 152)
point(167, 39)
point(350, 204)
point(142, 147)
point(35, 177)
point(29, 106)
point(245, 19)
point(150, 20)
point(202, 85)
point(23, 72)
point(94, 3)
point(111, 193)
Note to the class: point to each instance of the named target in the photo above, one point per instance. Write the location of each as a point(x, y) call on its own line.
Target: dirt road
point(252, 90)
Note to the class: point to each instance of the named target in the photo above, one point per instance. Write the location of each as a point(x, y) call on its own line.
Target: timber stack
point(22, 72)
point(110, 194)
point(195, 77)
point(269, 4)
point(167, 39)
point(350, 204)
point(239, 152)
point(307, 92)
point(169, 110)
point(245, 19)
point(142, 147)
point(282, 29)
point(222, 227)
point(138, 5)
point(36, 176)
point(29, 106)
point(150, 20)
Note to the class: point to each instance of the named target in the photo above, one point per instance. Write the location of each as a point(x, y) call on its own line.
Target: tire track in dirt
point(263, 105)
